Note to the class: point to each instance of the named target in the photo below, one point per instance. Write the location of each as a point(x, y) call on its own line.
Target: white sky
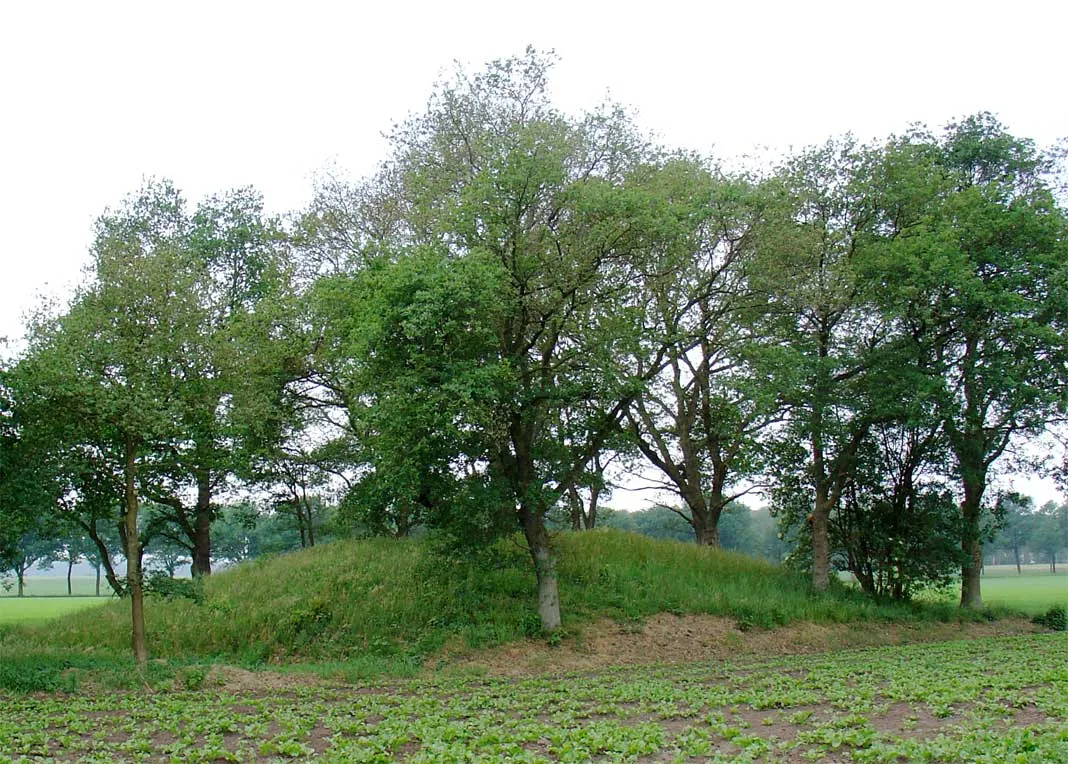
point(96, 96)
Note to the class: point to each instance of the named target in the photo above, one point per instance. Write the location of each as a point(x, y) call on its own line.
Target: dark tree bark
point(133, 555)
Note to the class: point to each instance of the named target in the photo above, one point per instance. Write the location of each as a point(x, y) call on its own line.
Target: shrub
point(1055, 619)
point(162, 585)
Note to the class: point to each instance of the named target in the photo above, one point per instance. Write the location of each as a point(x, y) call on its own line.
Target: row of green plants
point(984, 700)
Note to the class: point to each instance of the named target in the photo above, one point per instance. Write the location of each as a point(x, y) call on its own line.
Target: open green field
point(992, 700)
point(56, 586)
point(35, 609)
point(1034, 591)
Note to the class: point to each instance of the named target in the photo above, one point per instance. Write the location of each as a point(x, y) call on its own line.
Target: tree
point(1015, 515)
point(1047, 532)
point(830, 338)
point(234, 261)
point(698, 421)
point(107, 370)
point(544, 218)
point(897, 526)
point(981, 285)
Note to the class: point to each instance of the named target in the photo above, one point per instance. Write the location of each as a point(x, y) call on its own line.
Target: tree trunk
point(589, 519)
point(21, 576)
point(703, 520)
point(545, 569)
point(70, 569)
point(971, 544)
point(201, 552)
point(575, 506)
point(310, 519)
point(706, 531)
point(133, 557)
point(104, 558)
point(1016, 554)
point(98, 579)
point(821, 544)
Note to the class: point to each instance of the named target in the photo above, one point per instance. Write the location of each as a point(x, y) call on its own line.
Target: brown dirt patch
point(667, 638)
point(231, 679)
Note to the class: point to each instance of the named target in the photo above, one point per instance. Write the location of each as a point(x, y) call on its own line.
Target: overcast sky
point(96, 96)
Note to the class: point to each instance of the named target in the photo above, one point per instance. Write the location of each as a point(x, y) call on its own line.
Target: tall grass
point(390, 603)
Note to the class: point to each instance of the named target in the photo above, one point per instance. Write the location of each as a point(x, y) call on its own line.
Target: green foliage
point(1055, 619)
point(162, 584)
point(982, 700)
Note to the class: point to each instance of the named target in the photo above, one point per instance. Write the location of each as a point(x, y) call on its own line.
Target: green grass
point(30, 609)
point(989, 700)
point(384, 605)
point(56, 586)
point(1034, 591)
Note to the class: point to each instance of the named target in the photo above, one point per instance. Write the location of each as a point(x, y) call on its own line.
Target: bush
point(1055, 619)
point(162, 585)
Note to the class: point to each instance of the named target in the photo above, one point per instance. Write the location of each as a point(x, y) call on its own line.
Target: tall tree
point(234, 260)
point(698, 421)
point(549, 215)
point(982, 286)
point(808, 272)
point(107, 370)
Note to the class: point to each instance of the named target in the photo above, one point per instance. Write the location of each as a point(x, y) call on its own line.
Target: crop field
point(995, 700)
point(29, 609)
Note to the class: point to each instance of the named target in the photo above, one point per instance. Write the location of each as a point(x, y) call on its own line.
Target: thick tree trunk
point(574, 501)
point(821, 546)
point(971, 544)
point(21, 576)
point(133, 557)
point(706, 531)
point(590, 518)
point(98, 579)
point(201, 552)
point(820, 519)
point(703, 518)
point(544, 568)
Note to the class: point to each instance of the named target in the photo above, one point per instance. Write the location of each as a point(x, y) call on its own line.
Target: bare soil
point(668, 638)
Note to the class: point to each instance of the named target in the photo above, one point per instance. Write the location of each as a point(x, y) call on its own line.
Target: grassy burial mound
point(393, 604)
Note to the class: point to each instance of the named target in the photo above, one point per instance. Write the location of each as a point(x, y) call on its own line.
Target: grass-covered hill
point(391, 604)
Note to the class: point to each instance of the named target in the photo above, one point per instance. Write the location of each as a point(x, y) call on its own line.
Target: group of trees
point(519, 301)
point(1026, 534)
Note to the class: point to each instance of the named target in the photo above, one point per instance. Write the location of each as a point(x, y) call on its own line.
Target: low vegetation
point(386, 606)
point(986, 700)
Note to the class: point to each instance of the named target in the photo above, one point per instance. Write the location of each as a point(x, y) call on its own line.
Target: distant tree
point(72, 547)
point(1015, 518)
point(1047, 534)
point(659, 522)
point(30, 550)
